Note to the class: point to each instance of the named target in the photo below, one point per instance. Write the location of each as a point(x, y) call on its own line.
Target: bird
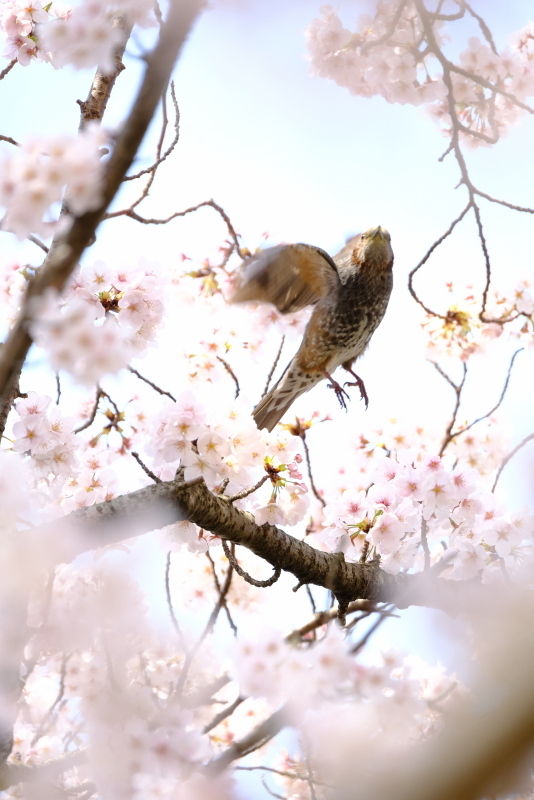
point(350, 293)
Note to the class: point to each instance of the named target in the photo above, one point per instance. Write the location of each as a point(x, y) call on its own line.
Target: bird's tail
point(269, 410)
point(274, 405)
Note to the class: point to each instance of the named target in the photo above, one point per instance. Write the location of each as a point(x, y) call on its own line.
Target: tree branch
point(7, 69)
point(94, 107)
point(66, 251)
point(48, 770)
point(256, 738)
point(508, 458)
point(164, 503)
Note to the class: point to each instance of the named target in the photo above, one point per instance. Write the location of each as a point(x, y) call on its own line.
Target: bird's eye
point(362, 236)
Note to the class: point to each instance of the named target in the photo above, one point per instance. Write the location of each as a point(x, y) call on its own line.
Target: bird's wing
point(291, 276)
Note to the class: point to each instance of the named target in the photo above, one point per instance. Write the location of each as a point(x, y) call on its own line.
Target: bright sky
point(302, 159)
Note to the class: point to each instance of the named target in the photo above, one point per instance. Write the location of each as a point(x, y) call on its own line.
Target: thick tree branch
point(10, 393)
point(94, 107)
point(168, 502)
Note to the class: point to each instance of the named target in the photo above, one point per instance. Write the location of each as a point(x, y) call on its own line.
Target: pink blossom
point(386, 533)
point(27, 190)
point(468, 561)
point(271, 513)
point(294, 501)
point(401, 558)
point(382, 496)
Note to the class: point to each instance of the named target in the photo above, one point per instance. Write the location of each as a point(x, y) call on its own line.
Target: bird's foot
point(341, 394)
point(361, 386)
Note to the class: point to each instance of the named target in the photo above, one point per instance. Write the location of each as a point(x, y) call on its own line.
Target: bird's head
point(373, 248)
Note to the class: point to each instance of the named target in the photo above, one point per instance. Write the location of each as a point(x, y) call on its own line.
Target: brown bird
point(350, 293)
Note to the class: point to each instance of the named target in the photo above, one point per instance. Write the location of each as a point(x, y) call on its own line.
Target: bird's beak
point(377, 232)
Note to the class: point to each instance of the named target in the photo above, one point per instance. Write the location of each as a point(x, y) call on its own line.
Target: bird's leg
point(339, 390)
point(360, 384)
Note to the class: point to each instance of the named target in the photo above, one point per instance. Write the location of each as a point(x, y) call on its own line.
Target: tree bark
point(165, 503)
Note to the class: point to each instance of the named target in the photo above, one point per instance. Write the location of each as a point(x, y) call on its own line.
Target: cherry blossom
point(42, 171)
point(370, 62)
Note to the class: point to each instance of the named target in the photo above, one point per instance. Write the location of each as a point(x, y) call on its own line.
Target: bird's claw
point(361, 386)
point(341, 394)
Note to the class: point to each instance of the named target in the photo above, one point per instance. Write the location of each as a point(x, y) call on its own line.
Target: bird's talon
point(340, 393)
point(361, 386)
point(363, 393)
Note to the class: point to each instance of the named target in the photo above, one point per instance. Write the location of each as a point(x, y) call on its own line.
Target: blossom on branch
point(43, 172)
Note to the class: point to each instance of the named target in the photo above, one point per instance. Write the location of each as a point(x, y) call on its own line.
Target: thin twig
point(172, 145)
point(444, 375)
point(363, 641)
point(427, 256)
point(510, 455)
point(99, 395)
point(284, 773)
point(394, 22)
point(503, 202)
point(9, 140)
point(310, 598)
point(275, 364)
point(310, 474)
point(261, 734)
point(270, 792)
point(224, 714)
point(170, 606)
point(207, 630)
point(38, 242)
point(483, 27)
point(218, 588)
point(324, 617)
point(230, 555)
point(58, 389)
point(246, 493)
point(128, 212)
point(45, 725)
point(7, 69)
point(145, 468)
point(450, 426)
point(309, 775)
point(487, 263)
point(152, 385)
point(498, 403)
point(113, 403)
point(230, 371)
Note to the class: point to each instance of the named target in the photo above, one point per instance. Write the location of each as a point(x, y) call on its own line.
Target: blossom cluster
point(226, 448)
point(414, 504)
point(146, 740)
point(388, 56)
point(332, 697)
point(48, 438)
point(12, 285)
point(460, 333)
point(83, 36)
point(108, 315)
point(42, 172)
point(18, 21)
point(63, 471)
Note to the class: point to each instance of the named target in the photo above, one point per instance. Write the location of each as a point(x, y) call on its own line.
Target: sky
point(302, 159)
